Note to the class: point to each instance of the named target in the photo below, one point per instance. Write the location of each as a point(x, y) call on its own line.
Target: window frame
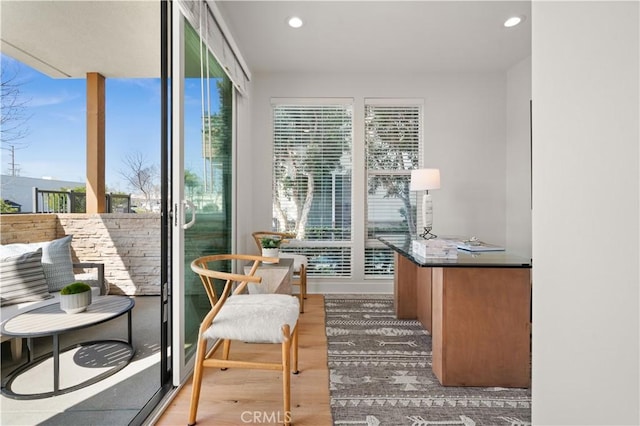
point(358, 243)
point(315, 249)
point(372, 245)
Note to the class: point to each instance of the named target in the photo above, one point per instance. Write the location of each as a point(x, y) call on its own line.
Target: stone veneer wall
point(127, 244)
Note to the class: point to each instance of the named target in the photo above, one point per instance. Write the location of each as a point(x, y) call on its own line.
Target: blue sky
point(55, 145)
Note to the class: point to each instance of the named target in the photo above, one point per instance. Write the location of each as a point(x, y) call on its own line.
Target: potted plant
point(270, 246)
point(75, 297)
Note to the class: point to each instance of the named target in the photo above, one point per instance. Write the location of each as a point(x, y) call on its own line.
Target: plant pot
point(270, 252)
point(75, 303)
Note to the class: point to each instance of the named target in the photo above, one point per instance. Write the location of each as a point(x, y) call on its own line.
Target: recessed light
point(513, 21)
point(295, 22)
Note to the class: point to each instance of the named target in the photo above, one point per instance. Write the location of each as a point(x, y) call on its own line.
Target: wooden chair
point(252, 318)
point(299, 263)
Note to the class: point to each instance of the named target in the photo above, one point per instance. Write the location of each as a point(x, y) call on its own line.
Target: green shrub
point(75, 288)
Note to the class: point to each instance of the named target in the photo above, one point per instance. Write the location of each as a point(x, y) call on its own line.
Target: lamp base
point(427, 235)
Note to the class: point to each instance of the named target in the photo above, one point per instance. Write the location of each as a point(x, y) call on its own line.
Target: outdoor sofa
point(32, 275)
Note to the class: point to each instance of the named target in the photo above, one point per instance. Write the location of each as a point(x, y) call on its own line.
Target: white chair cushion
point(298, 260)
point(254, 318)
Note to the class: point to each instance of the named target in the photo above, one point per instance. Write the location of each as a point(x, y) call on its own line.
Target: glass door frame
point(181, 365)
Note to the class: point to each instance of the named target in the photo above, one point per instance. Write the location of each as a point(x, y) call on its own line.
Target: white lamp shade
point(424, 179)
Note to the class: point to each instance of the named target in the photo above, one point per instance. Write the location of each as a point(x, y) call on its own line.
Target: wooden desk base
point(481, 326)
point(412, 291)
point(479, 319)
point(404, 287)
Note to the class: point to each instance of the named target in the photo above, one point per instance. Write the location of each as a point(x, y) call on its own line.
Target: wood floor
point(237, 397)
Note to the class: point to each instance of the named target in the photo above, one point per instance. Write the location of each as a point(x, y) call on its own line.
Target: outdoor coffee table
point(50, 320)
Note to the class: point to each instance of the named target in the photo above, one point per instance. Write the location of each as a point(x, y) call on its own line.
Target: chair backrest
point(203, 267)
point(259, 235)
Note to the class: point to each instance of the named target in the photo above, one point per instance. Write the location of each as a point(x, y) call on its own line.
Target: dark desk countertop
point(401, 243)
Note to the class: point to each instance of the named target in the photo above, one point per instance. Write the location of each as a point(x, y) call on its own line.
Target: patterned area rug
point(380, 373)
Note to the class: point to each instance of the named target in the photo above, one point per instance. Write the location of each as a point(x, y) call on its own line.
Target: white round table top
point(50, 319)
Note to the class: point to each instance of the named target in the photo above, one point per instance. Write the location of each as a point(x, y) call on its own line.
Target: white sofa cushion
point(22, 279)
point(56, 259)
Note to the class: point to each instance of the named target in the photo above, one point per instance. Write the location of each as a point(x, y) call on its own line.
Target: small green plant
point(7, 208)
point(270, 242)
point(75, 288)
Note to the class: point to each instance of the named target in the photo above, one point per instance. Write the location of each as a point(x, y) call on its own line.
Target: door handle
point(189, 205)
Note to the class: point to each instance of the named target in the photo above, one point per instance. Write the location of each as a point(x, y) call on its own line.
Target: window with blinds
point(312, 168)
point(393, 147)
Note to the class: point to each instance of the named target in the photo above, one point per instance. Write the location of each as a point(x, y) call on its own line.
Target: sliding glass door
point(201, 180)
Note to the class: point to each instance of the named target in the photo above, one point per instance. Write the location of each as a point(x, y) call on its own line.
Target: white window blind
point(393, 144)
point(312, 186)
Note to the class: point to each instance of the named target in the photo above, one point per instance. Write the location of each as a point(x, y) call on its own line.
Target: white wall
point(586, 197)
point(518, 213)
point(464, 133)
point(19, 189)
point(243, 183)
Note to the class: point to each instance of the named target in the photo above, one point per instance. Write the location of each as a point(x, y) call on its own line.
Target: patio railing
point(47, 201)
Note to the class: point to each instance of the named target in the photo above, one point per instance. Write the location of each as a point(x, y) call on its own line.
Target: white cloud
point(55, 99)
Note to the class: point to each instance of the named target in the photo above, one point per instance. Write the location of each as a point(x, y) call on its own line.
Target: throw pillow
point(22, 279)
point(56, 259)
point(57, 263)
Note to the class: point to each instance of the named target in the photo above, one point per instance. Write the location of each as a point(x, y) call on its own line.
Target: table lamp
point(424, 180)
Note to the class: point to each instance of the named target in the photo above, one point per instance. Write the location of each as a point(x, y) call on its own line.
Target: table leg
point(56, 363)
point(129, 337)
point(29, 349)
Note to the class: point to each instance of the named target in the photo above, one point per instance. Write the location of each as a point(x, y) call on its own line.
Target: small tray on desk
point(477, 246)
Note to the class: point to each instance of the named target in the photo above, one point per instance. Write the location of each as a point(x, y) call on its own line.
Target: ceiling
point(379, 36)
point(70, 38)
point(122, 38)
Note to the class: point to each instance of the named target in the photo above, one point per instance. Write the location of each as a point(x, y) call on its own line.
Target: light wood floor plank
point(236, 397)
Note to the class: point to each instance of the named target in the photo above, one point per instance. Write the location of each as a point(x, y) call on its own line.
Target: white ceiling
point(379, 36)
point(70, 38)
point(122, 38)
